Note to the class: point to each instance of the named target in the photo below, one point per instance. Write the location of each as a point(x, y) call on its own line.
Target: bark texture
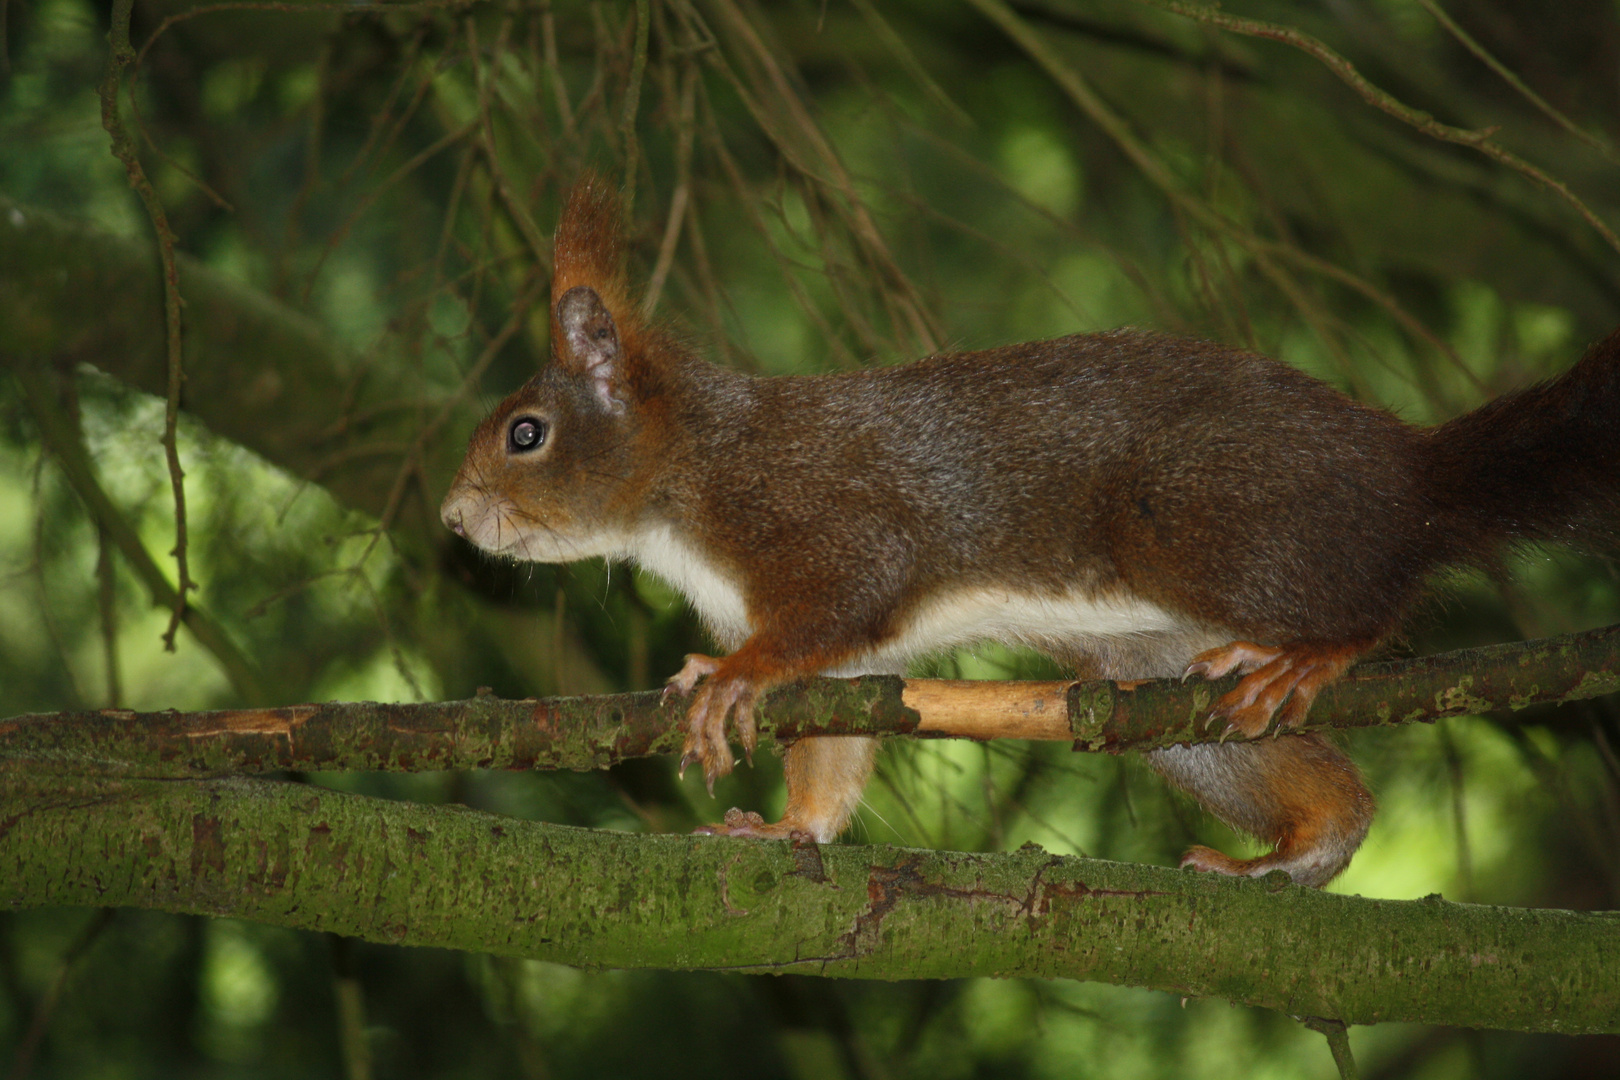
point(595, 732)
point(310, 858)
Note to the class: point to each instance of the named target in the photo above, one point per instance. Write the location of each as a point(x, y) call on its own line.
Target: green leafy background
point(857, 182)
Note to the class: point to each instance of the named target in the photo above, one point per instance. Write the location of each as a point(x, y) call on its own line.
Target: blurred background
point(814, 186)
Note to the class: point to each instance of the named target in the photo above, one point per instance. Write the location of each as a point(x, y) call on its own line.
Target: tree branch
point(310, 858)
point(595, 732)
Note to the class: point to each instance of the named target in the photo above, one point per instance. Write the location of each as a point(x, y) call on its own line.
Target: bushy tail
point(1539, 464)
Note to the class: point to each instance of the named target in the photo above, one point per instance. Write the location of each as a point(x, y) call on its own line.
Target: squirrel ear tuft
point(589, 247)
point(588, 289)
point(590, 343)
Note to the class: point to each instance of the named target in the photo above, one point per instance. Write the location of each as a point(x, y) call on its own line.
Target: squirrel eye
point(526, 433)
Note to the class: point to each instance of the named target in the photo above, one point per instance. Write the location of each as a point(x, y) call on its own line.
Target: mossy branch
point(309, 858)
point(598, 731)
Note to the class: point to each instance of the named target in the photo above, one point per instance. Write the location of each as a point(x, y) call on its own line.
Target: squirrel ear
point(590, 342)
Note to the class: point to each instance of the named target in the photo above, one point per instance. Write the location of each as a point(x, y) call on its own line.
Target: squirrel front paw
point(715, 700)
point(1294, 674)
point(681, 683)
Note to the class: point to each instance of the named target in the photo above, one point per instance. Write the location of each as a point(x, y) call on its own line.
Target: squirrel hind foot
point(1294, 674)
point(1299, 793)
point(1313, 867)
point(748, 823)
point(1209, 861)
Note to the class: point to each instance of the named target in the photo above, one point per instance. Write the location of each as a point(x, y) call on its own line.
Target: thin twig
point(902, 52)
point(632, 104)
point(748, 201)
point(47, 609)
point(539, 247)
point(1266, 252)
point(375, 144)
point(685, 124)
point(412, 464)
point(818, 159)
point(62, 438)
point(24, 1059)
point(123, 148)
point(1459, 810)
point(1384, 101)
point(449, 138)
point(292, 234)
point(1484, 56)
point(107, 602)
point(1338, 1040)
point(351, 1008)
point(299, 7)
point(548, 33)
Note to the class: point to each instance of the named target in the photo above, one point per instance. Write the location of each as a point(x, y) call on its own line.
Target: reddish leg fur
point(1295, 673)
point(825, 776)
point(1297, 792)
point(1300, 794)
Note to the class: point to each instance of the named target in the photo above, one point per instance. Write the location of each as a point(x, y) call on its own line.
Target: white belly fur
point(712, 592)
point(1071, 623)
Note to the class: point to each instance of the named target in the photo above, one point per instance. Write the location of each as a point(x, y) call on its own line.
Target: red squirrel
point(1135, 505)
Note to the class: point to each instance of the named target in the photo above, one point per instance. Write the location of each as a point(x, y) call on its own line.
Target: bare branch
point(1380, 99)
point(598, 731)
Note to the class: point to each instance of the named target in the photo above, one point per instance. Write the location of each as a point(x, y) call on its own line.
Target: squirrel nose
point(452, 519)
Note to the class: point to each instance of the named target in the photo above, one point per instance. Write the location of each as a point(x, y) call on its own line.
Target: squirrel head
point(552, 474)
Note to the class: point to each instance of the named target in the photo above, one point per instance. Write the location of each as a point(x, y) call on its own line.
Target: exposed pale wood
point(965, 709)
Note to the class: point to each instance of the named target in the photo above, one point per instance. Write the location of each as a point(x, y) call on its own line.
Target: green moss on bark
point(310, 858)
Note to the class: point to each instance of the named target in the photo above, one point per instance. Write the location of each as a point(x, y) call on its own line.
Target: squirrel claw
point(714, 702)
point(1271, 678)
point(1240, 656)
point(681, 683)
point(747, 731)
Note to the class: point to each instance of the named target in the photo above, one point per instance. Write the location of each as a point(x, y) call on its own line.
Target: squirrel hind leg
point(825, 777)
point(1294, 674)
point(1299, 793)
